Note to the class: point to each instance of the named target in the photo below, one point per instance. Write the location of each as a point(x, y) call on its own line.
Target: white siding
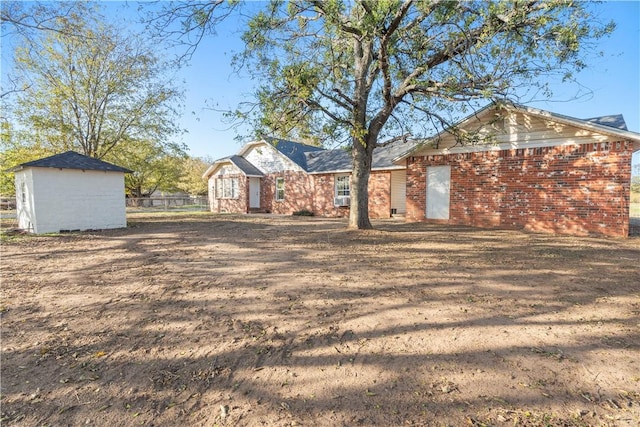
point(515, 130)
point(228, 169)
point(70, 199)
point(269, 160)
point(399, 191)
point(24, 200)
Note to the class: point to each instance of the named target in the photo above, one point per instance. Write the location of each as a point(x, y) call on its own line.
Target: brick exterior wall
point(324, 194)
point(298, 193)
point(316, 193)
point(380, 195)
point(563, 189)
point(241, 204)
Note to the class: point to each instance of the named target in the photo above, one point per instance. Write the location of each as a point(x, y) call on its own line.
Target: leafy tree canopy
point(363, 72)
point(90, 86)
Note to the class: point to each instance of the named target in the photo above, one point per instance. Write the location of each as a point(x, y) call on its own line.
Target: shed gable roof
point(72, 160)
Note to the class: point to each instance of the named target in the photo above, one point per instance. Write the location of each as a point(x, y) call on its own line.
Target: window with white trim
point(279, 189)
point(343, 185)
point(227, 188)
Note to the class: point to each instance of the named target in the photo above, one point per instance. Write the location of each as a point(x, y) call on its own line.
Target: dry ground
point(206, 320)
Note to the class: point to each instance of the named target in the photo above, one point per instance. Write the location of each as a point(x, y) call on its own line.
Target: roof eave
point(584, 124)
point(250, 144)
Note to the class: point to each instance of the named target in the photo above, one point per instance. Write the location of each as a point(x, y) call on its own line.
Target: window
point(227, 188)
point(343, 185)
point(23, 190)
point(279, 189)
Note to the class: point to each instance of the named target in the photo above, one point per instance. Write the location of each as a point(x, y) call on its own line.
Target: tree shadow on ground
point(249, 321)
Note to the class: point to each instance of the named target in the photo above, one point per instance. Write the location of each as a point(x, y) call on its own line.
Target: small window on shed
point(23, 193)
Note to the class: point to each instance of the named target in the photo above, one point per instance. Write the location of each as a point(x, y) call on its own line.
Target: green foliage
point(191, 180)
point(342, 70)
point(359, 72)
point(90, 86)
point(13, 152)
point(154, 167)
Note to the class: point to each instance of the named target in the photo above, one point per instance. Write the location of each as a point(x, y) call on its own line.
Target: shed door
point(438, 183)
point(254, 192)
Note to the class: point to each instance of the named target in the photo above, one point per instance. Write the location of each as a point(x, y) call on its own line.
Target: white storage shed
point(69, 191)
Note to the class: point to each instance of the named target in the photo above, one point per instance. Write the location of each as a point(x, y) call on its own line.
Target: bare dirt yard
point(203, 320)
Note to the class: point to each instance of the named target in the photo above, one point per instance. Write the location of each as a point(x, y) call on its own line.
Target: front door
point(438, 183)
point(254, 193)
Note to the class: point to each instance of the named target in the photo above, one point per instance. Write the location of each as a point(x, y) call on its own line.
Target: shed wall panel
point(69, 199)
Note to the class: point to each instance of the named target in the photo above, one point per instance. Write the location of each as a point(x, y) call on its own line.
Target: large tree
point(155, 167)
point(27, 21)
point(191, 181)
point(367, 71)
point(89, 86)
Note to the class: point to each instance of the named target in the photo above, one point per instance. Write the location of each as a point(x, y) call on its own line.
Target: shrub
point(303, 212)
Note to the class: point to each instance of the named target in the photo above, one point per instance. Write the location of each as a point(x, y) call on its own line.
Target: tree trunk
point(359, 213)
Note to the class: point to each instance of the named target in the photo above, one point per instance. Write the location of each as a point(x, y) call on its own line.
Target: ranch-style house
point(505, 166)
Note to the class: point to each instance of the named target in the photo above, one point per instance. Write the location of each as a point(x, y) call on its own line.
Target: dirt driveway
point(205, 320)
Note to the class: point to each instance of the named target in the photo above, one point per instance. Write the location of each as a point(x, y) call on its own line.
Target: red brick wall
point(379, 196)
point(298, 193)
point(324, 194)
point(316, 193)
point(571, 190)
point(238, 205)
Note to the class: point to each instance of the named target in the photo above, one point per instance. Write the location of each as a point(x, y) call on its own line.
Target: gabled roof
point(613, 121)
point(72, 160)
point(312, 159)
point(608, 125)
point(245, 166)
point(294, 151)
point(613, 125)
point(240, 162)
point(340, 160)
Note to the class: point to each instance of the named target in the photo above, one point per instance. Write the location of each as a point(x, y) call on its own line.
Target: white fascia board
point(393, 168)
point(246, 147)
point(579, 123)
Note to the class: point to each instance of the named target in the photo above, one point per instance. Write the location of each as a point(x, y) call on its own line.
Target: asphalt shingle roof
point(340, 159)
point(614, 121)
point(295, 151)
point(72, 160)
point(245, 166)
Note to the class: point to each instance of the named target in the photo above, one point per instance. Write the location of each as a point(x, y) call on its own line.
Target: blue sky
point(611, 83)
